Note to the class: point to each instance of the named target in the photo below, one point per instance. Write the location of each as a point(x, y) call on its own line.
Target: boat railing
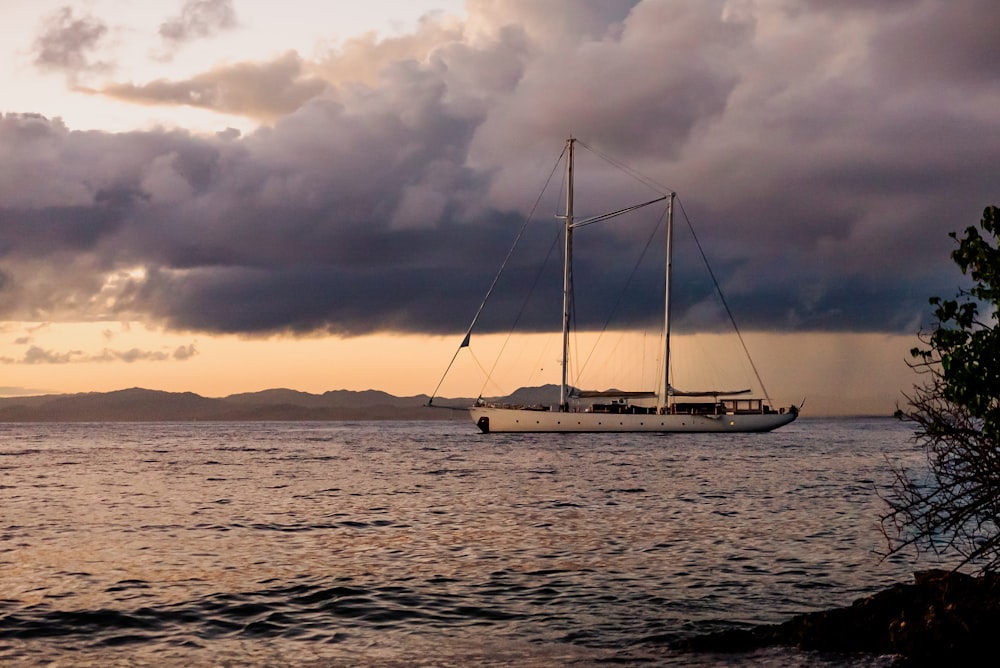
point(721, 407)
point(519, 407)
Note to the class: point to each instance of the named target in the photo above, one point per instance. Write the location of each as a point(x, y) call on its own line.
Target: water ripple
point(424, 543)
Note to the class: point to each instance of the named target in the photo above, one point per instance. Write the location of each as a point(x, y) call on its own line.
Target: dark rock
point(942, 617)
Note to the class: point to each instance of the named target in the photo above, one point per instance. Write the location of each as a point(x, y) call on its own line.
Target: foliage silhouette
point(953, 509)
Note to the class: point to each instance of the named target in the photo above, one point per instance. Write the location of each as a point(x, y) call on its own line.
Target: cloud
point(264, 91)
point(184, 352)
point(822, 154)
point(16, 391)
point(66, 43)
point(198, 19)
point(38, 355)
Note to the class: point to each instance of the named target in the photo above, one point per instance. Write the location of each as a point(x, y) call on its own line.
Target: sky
point(223, 196)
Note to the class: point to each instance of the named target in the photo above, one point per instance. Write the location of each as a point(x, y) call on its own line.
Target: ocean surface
point(429, 544)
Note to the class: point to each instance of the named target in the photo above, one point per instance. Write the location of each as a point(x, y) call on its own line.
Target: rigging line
point(496, 279)
point(624, 290)
point(538, 274)
point(485, 373)
point(638, 176)
point(538, 364)
point(571, 356)
point(524, 304)
point(725, 304)
point(615, 214)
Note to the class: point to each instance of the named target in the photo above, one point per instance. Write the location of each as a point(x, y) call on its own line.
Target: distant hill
point(546, 395)
point(142, 405)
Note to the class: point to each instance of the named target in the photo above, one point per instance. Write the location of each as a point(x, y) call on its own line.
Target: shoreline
point(940, 618)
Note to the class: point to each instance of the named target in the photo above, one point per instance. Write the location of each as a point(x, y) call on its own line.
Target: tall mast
point(567, 278)
point(665, 388)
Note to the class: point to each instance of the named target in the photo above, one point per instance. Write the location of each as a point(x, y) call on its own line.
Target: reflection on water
point(427, 543)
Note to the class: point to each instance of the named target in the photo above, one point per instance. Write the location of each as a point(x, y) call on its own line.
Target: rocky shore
point(942, 618)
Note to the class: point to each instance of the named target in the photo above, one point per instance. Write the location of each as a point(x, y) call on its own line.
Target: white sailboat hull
point(492, 420)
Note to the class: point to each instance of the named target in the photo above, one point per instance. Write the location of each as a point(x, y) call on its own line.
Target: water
point(385, 544)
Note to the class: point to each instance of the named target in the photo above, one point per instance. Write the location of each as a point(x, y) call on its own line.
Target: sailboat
point(665, 410)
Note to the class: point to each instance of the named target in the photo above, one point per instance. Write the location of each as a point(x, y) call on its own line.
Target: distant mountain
point(134, 404)
point(142, 405)
point(547, 395)
point(330, 399)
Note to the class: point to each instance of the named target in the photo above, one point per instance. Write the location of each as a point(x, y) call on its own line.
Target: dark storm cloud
point(921, 46)
point(823, 156)
point(66, 43)
point(198, 19)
